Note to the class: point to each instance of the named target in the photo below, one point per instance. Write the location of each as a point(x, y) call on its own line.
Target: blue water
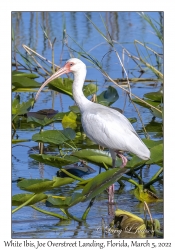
point(124, 27)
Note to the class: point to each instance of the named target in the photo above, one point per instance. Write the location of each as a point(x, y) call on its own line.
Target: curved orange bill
point(54, 76)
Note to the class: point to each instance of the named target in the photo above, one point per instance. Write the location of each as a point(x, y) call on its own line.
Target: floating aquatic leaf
point(74, 109)
point(157, 113)
point(14, 141)
point(42, 185)
point(128, 223)
point(36, 185)
point(15, 104)
point(132, 120)
point(58, 182)
point(22, 108)
point(155, 96)
point(24, 82)
point(154, 104)
point(19, 199)
point(54, 161)
point(62, 85)
point(28, 75)
point(156, 154)
point(150, 143)
point(108, 96)
point(145, 195)
point(70, 120)
point(154, 127)
point(98, 157)
point(90, 89)
point(94, 156)
point(64, 203)
point(102, 181)
point(54, 136)
point(42, 120)
point(135, 162)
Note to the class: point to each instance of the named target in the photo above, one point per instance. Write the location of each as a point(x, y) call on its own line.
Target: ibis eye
point(71, 64)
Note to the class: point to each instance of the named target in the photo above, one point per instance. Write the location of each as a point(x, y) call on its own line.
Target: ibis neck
point(78, 95)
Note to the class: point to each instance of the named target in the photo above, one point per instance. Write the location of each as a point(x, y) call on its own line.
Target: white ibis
point(105, 126)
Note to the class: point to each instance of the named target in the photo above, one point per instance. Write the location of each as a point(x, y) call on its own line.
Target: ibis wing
point(110, 129)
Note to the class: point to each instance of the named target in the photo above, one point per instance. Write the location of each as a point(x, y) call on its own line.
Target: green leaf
point(62, 85)
point(145, 195)
point(54, 136)
point(65, 202)
point(94, 156)
point(157, 113)
point(74, 109)
point(15, 104)
point(90, 89)
point(70, 120)
point(42, 120)
point(22, 108)
point(19, 199)
point(98, 157)
point(154, 127)
point(108, 96)
point(135, 162)
point(102, 181)
point(28, 75)
point(132, 120)
point(62, 181)
point(36, 185)
point(155, 96)
point(14, 141)
point(150, 143)
point(154, 104)
point(24, 82)
point(156, 154)
point(54, 161)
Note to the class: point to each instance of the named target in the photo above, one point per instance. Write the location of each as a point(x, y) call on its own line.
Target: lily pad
point(156, 154)
point(145, 195)
point(154, 127)
point(54, 136)
point(58, 182)
point(36, 185)
point(90, 89)
point(23, 108)
point(66, 202)
point(150, 143)
point(98, 157)
point(108, 96)
point(24, 82)
point(155, 96)
point(62, 85)
point(143, 104)
point(54, 161)
point(42, 120)
point(70, 120)
point(14, 141)
point(29, 75)
point(74, 109)
point(19, 199)
point(102, 181)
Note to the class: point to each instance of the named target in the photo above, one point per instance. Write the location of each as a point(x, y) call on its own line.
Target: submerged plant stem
point(72, 217)
point(88, 209)
point(49, 213)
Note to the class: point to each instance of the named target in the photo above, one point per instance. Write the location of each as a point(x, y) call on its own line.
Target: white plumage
point(105, 126)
